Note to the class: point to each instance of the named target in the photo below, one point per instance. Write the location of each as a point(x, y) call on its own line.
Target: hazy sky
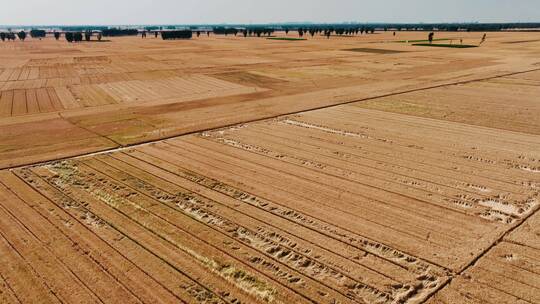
point(69, 12)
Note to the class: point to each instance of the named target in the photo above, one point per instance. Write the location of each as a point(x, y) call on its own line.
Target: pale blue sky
point(255, 11)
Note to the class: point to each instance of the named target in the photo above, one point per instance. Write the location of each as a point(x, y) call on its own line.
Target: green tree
point(69, 36)
point(78, 37)
point(21, 35)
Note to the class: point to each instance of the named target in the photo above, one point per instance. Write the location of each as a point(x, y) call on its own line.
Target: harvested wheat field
point(247, 170)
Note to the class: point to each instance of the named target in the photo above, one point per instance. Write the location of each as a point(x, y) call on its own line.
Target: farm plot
point(29, 101)
point(341, 205)
point(507, 274)
point(509, 103)
point(177, 88)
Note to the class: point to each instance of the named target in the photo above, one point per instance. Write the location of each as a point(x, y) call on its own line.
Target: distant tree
point(69, 36)
point(38, 33)
point(112, 32)
point(184, 34)
point(21, 35)
point(56, 35)
point(78, 37)
point(3, 36)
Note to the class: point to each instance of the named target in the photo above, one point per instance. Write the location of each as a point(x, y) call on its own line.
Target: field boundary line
point(484, 253)
point(271, 116)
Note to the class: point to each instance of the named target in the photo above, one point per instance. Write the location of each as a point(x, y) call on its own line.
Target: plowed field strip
point(62, 281)
point(15, 75)
point(262, 164)
point(300, 212)
point(44, 101)
point(140, 170)
point(401, 168)
point(458, 162)
point(32, 102)
point(55, 101)
point(418, 130)
point(247, 226)
point(436, 194)
point(90, 272)
point(19, 103)
point(165, 175)
point(195, 276)
point(6, 103)
point(19, 274)
point(458, 130)
point(388, 208)
point(5, 75)
point(188, 225)
point(7, 294)
point(371, 157)
point(253, 170)
point(266, 144)
point(160, 269)
point(221, 165)
point(109, 259)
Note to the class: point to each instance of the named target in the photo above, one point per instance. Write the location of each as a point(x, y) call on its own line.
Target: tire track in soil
point(73, 228)
point(204, 155)
point(523, 203)
point(249, 235)
point(209, 188)
point(424, 270)
point(223, 269)
point(367, 159)
point(257, 262)
point(97, 280)
point(46, 265)
point(193, 287)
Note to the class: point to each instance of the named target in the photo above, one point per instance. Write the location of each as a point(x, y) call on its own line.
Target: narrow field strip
point(262, 242)
point(193, 289)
